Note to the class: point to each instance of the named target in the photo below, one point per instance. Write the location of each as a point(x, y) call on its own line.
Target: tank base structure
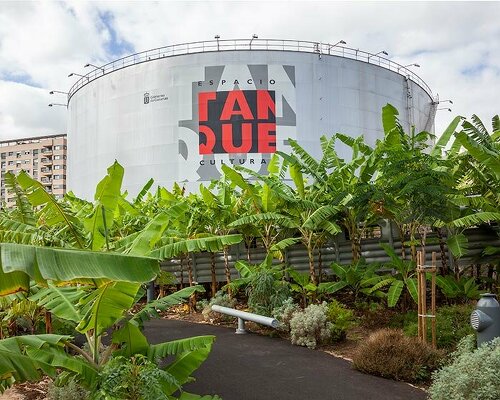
point(178, 113)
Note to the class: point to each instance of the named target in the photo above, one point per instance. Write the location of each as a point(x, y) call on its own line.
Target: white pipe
point(246, 316)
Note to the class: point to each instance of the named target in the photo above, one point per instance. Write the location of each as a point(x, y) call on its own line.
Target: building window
point(11, 162)
point(11, 153)
point(26, 153)
point(35, 152)
point(57, 166)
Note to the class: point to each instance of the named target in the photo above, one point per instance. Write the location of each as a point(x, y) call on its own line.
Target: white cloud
point(42, 42)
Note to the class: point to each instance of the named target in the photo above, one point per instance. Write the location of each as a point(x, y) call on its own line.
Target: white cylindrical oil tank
point(177, 113)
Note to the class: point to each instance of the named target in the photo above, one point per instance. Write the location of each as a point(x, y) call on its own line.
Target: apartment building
point(44, 158)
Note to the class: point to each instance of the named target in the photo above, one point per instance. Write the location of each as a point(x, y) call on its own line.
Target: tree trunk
point(312, 269)
point(320, 264)
point(192, 298)
point(48, 322)
point(444, 259)
point(249, 241)
point(182, 272)
point(227, 270)
point(213, 273)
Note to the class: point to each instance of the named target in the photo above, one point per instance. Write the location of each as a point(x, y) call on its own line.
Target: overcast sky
point(457, 45)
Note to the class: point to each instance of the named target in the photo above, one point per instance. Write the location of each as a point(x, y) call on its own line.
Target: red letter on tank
point(265, 103)
point(233, 97)
point(228, 140)
point(208, 146)
point(267, 137)
point(203, 99)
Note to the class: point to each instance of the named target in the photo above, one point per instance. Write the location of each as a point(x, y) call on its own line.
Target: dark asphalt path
point(254, 367)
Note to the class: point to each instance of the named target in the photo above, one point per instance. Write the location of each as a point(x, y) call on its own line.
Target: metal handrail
point(322, 49)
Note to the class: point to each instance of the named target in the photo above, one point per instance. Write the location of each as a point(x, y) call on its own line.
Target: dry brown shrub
point(391, 354)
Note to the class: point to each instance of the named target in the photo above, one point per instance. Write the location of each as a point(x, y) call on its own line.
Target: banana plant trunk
point(312, 269)
point(213, 272)
point(444, 260)
point(48, 322)
point(192, 298)
point(227, 270)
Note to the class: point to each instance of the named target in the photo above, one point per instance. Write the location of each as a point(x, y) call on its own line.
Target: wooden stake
point(433, 299)
point(424, 301)
point(419, 298)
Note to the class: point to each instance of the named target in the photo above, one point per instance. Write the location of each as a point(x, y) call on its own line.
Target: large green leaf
point(61, 301)
point(180, 346)
point(105, 305)
point(44, 264)
point(411, 286)
point(106, 200)
point(151, 309)
point(285, 243)
point(481, 153)
point(52, 212)
point(394, 293)
point(145, 240)
point(438, 148)
point(16, 365)
point(131, 340)
point(267, 217)
point(212, 243)
point(186, 363)
point(143, 191)
point(458, 244)
point(475, 219)
point(24, 211)
point(319, 216)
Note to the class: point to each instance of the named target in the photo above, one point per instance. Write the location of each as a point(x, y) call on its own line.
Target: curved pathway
point(254, 367)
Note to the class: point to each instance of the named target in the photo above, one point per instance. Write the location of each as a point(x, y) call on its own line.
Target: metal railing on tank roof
point(253, 44)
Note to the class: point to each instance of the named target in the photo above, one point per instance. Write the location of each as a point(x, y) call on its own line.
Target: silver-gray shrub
point(473, 374)
point(284, 314)
point(311, 327)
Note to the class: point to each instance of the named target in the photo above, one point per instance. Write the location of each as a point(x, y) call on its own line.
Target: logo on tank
point(237, 121)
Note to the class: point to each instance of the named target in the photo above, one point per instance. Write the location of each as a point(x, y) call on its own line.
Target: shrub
point(266, 292)
point(311, 327)
point(452, 324)
point(341, 319)
point(70, 391)
point(220, 299)
point(284, 314)
point(132, 378)
point(472, 375)
point(391, 354)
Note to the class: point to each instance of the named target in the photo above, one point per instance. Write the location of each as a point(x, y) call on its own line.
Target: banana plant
point(359, 278)
point(95, 311)
point(461, 289)
point(403, 276)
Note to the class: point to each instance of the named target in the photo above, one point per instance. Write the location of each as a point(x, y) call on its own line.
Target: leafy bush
point(266, 292)
point(134, 378)
point(391, 354)
point(472, 375)
point(284, 314)
point(341, 319)
point(70, 391)
point(220, 299)
point(311, 327)
point(452, 324)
